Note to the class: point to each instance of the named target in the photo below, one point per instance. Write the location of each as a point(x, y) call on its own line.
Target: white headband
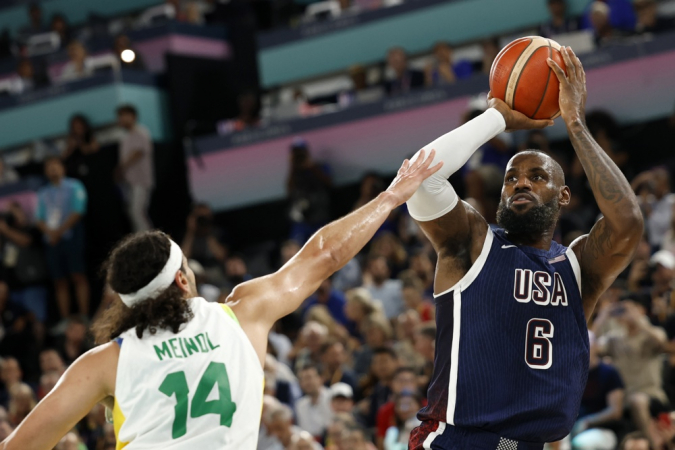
point(162, 281)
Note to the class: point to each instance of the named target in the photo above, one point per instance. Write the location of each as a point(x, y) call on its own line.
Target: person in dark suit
point(406, 79)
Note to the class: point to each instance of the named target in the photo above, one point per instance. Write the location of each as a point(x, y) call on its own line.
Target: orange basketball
point(521, 77)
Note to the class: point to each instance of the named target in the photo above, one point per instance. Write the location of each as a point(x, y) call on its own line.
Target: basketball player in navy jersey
point(512, 348)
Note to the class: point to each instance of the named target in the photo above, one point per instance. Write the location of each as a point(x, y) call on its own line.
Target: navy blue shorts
point(441, 436)
point(66, 257)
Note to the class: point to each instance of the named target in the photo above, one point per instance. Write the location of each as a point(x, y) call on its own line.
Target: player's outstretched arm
point(88, 381)
point(610, 245)
point(261, 302)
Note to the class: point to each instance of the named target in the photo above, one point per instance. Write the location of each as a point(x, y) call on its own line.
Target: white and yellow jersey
point(198, 389)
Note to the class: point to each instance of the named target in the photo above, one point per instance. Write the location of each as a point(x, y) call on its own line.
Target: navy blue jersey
point(512, 349)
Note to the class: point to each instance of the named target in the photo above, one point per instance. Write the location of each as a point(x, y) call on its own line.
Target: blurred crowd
point(349, 369)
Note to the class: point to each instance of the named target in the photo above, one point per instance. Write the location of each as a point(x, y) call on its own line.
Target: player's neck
point(538, 241)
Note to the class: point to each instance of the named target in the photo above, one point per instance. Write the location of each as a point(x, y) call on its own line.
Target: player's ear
point(182, 281)
point(565, 196)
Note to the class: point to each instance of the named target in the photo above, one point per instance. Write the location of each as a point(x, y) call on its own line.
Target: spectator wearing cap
point(636, 350)
point(308, 188)
point(342, 398)
point(601, 405)
point(313, 410)
point(559, 22)
point(405, 79)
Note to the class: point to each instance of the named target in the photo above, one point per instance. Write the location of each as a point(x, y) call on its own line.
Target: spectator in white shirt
point(136, 167)
point(79, 66)
point(313, 411)
point(378, 282)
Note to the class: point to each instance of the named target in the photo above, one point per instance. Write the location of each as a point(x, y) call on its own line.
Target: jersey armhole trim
point(476, 268)
point(230, 313)
point(576, 268)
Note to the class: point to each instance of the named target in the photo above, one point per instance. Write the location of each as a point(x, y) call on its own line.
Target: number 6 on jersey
point(538, 347)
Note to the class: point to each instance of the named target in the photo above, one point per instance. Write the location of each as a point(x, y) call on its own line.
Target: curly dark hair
point(132, 264)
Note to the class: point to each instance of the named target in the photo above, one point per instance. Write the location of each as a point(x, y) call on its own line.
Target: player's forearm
point(341, 240)
point(456, 147)
point(436, 197)
point(611, 190)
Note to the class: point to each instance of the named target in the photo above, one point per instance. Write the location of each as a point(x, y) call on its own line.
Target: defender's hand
point(516, 120)
point(572, 86)
point(411, 175)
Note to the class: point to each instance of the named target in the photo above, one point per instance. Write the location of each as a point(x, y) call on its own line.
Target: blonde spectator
point(321, 314)
point(80, 64)
point(360, 305)
point(307, 346)
point(21, 402)
point(377, 332)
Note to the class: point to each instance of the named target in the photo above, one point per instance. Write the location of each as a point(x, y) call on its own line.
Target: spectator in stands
point(404, 380)
point(422, 268)
point(635, 351)
point(21, 402)
point(413, 297)
point(387, 244)
point(601, 405)
point(559, 22)
point(304, 441)
point(355, 439)
point(122, 43)
point(23, 264)
point(382, 371)
point(314, 409)
point(377, 280)
point(444, 70)
point(136, 167)
point(203, 243)
point(407, 403)
point(308, 188)
point(73, 343)
point(236, 271)
point(248, 115)
point(80, 64)
point(51, 361)
point(657, 202)
point(621, 15)
point(60, 26)
point(47, 382)
point(28, 78)
point(377, 333)
point(331, 298)
point(70, 441)
point(635, 441)
point(425, 344)
point(20, 337)
point(491, 48)
point(6, 429)
point(342, 398)
point(359, 307)
point(371, 186)
point(405, 79)
point(306, 350)
point(360, 91)
point(333, 361)
point(80, 143)
point(35, 24)
point(61, 206)
point(604, 32)
point(7, 174)
point(10, 375)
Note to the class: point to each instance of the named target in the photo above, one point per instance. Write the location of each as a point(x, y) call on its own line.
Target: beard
point(534, 222)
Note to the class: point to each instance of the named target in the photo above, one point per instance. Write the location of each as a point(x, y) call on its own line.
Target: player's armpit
point(88, 381)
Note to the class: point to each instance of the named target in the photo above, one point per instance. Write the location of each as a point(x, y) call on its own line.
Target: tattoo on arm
point(599, 243)
point(601, 172)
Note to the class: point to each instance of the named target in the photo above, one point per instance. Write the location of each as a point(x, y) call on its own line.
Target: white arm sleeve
point(436, 197)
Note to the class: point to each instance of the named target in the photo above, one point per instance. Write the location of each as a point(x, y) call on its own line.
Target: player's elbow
point(631, 223)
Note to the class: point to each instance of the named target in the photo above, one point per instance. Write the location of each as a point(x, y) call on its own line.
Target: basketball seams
point(509, 101)
point(548, 79)
point(518, 67)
